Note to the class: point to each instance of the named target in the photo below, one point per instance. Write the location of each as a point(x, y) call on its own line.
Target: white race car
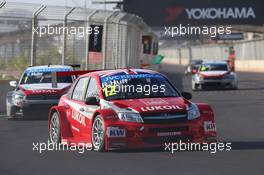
point(214, 74)
point(34, 94)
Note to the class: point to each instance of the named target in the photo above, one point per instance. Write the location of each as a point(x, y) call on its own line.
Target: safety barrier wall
point(249, 54)
point(4, 85)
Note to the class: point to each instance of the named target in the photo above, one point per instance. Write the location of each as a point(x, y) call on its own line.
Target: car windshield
point(197, 62)
point(213, 67)
point(137, 86)
point(43, 77)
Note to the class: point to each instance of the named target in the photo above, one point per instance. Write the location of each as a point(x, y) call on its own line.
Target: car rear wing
point(74, 74)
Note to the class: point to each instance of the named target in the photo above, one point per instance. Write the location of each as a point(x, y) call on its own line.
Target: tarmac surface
point(239, 117)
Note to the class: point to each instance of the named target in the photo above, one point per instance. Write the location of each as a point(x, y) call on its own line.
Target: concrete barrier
point(4, 88)
point(176, 61)
point(249, 65)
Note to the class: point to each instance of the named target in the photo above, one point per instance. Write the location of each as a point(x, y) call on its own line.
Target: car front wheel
point(194, 86)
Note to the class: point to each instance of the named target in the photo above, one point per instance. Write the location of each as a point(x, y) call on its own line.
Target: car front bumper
point(36, 108)
point(218, 82)
point(121, 135)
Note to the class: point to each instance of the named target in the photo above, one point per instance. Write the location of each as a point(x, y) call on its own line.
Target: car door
point(92, 91)
point(76, 113)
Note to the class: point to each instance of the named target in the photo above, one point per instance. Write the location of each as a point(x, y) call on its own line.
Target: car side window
point(92, 90)
point(79, 89)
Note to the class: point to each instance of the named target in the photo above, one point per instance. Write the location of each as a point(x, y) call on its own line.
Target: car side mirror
point(13, 83)
point(92, 101)
point(187, 95)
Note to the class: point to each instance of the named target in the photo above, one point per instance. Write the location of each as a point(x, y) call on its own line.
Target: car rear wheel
point(55, 136)
point(98, 133)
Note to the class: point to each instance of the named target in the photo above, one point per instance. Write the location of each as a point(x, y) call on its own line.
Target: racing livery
point(98, 110)
point(35, 94)
point(215, 74)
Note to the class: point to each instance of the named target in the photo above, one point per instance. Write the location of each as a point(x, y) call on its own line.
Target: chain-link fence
point(33, 34)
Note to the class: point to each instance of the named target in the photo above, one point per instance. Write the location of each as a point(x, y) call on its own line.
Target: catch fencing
point(124, 40)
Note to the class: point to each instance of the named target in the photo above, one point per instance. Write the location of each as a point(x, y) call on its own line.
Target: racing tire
point(98, 134)
point(202, 87)
point(235, 87)
point(10, 110)
point(194, 86)
point(54, 129)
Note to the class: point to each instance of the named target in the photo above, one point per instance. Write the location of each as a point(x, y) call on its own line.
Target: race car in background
point(115, 109)
point(34, 94)
point(193, 67)
point(214, 74)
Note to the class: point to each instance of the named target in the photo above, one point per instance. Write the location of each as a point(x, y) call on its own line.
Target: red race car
point(128, 108)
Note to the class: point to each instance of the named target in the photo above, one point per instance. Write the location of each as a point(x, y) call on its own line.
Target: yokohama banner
point(197, 12)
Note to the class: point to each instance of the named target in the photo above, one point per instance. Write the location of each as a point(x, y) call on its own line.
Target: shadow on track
point(236, 145)
point(251, 89)
point(247, 145)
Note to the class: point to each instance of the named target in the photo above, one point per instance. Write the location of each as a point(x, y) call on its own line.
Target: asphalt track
point(240, 120)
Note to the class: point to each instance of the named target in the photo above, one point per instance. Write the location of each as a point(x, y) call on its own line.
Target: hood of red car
point(44, 88)
point(213, 73)
point(147, 105)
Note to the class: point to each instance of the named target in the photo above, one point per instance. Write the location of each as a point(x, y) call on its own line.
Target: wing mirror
point(92, 101)
point(13, 83)
point(187, 95)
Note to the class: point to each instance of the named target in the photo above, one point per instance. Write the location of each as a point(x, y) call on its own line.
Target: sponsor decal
point(78, 117)
point(113, 132)
point(158, 101)
point(95, 39)
point(114, 78)
point(209, 126)
point(173, 13)
point(220, 13)
point(160, 134)
point(76, 129)
point(89, 110)
point(40, 71)
point(43, 91)
point(165, 107)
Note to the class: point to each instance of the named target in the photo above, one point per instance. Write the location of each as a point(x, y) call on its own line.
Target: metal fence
point(244, 50)
point(121, 37)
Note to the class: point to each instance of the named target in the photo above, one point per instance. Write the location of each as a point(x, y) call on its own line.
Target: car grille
point(171, 129)
point(164, 118)
point(213, 78)
point(43, 97)
point(167, 139)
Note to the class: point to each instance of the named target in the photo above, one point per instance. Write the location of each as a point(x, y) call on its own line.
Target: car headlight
point(130, 117)
point(18, 99)
point(198, 77)
point(228, 76)
point(193, 111)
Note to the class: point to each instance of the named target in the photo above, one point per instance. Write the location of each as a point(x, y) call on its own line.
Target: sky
point(76, 3)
